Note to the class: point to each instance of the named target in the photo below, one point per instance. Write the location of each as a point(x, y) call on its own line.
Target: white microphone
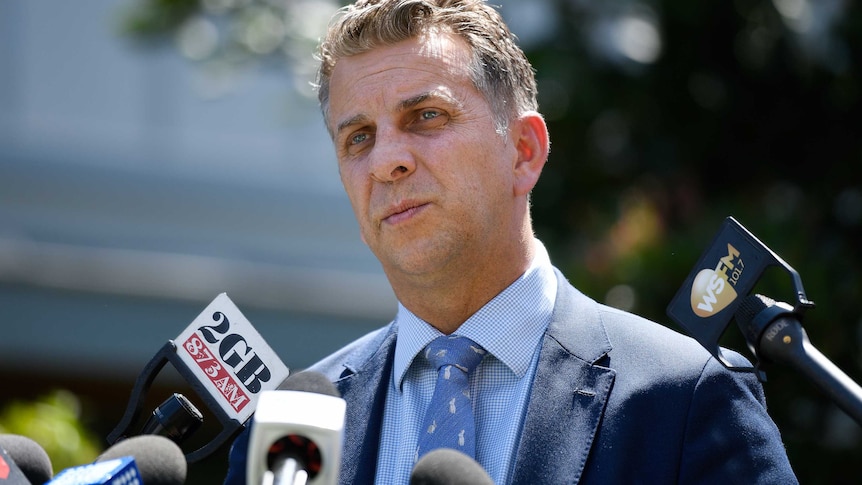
point(297, 433)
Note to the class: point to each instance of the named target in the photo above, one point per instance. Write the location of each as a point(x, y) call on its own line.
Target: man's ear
point(532, 145)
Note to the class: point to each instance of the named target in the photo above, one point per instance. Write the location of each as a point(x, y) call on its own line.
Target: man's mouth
point(404, 211)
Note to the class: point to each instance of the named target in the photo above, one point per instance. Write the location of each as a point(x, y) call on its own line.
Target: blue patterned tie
point(449, 419)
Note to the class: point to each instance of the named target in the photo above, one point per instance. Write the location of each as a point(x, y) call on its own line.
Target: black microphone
point(225, 361)
point(774, 331)
point(445, 466)
point(159, 460)
point(10, 474)
point(146, 459)
point(310, 381)
point(176, 418)
point(297, 432)
point(29, 457)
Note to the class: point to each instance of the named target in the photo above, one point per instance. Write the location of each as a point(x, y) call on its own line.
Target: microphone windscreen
point(29, 456)
point(160, 460)
point(445, 466)
point(310, 381)
point(750, 306)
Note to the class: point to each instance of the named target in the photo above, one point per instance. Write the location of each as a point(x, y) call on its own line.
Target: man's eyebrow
point(353, 120)
point(413, 101)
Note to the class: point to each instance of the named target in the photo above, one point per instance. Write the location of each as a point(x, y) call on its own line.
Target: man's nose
point(392, 157)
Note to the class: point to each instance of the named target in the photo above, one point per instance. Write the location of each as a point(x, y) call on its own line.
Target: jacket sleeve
point(729, 436)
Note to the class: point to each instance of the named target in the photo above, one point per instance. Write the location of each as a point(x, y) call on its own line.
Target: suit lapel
point(364, 388)
point(569, 393)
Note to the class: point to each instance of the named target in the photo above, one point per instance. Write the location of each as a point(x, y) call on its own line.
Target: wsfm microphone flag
point(725, 274)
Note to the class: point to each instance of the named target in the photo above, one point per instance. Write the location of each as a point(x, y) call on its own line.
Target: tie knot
point(456, 350)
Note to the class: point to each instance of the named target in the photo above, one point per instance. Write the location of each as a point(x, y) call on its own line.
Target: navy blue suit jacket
point(616, 399)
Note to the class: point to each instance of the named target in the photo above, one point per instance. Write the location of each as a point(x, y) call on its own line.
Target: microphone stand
point(288, 471)
point(774, 331)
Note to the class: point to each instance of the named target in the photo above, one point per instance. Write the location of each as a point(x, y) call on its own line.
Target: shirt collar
point(509, 326)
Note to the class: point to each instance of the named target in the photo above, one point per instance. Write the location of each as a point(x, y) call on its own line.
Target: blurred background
point(155, 153)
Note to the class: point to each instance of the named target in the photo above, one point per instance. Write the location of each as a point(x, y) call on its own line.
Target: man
point(432, 110)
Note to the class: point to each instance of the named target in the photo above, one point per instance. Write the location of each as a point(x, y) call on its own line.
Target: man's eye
point(429, 114)
point(358, 138)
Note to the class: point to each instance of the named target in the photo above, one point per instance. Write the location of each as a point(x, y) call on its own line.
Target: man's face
point(429, 179)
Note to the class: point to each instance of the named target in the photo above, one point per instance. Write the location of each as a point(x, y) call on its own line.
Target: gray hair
point(499, 69)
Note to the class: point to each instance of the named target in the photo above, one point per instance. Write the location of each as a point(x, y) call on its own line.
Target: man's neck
point(450, 297)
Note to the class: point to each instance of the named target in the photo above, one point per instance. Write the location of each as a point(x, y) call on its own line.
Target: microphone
point(227, 363)
point(297, 433)
point(445, 466)
point(27, 456)
point(176, 418)
point(147, 459)
point(10, 474)
point(160, 460)
point(774, 331)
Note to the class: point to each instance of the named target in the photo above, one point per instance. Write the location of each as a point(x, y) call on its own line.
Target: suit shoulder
point(353, 355)
point(649, 341)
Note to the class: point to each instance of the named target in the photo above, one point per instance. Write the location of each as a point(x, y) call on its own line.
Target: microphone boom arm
point(776, 334)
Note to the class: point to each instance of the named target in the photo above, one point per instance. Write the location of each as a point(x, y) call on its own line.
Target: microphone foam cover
point(29, 456)
point(160, 460)
point(750, 307)
point(310, 381)
point(449, 467)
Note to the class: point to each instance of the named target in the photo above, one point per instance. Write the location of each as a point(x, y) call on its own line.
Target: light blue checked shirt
point(510, 328)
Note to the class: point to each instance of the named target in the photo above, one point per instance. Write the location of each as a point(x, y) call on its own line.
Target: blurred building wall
point(135, 187)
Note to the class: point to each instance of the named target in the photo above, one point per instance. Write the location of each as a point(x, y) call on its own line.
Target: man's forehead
point(438, 50)
point(399, 76)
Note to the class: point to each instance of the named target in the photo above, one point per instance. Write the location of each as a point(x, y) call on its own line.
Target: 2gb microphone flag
point(230, 357)
point(226, 362)
point(725, 274)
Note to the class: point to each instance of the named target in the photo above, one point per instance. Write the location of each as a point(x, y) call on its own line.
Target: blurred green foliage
point(744, 113)
point(54, 422)
point(666, 116)
point(155, 17)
